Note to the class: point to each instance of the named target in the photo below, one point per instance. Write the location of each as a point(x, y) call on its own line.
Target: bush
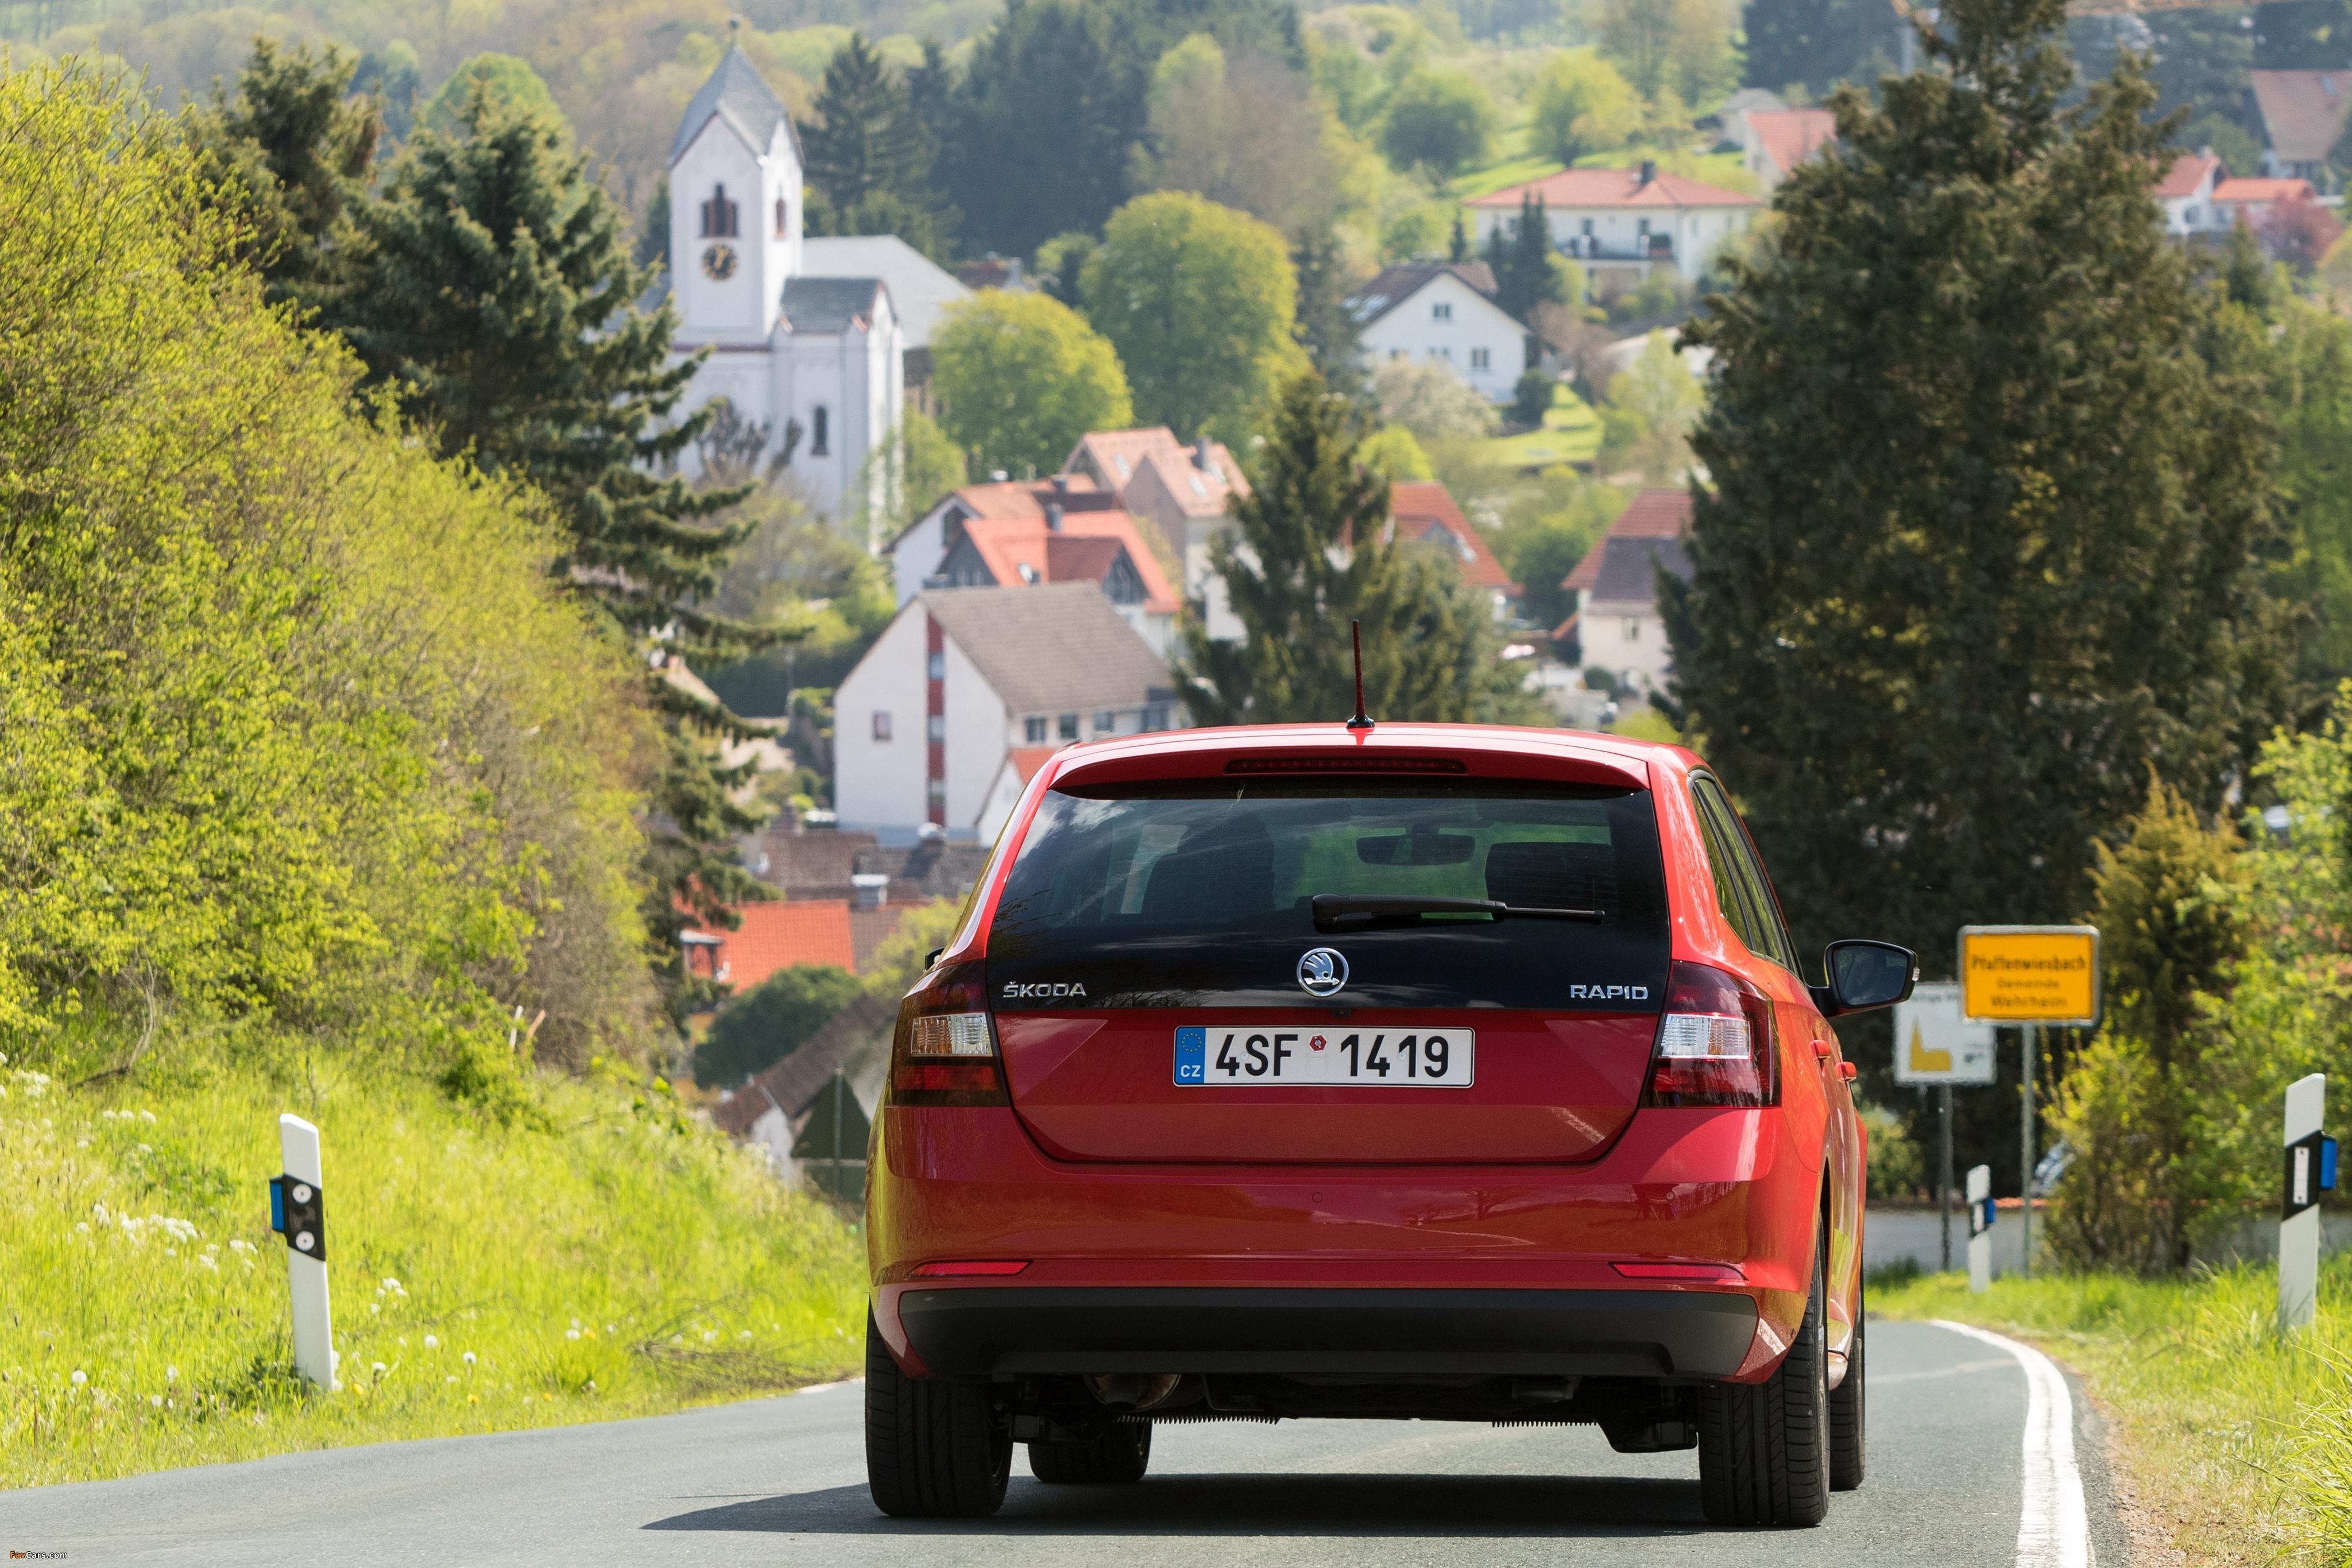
point(770, 1021)
point(1533, 398)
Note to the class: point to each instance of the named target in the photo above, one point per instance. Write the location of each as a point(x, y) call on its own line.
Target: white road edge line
point(2054, 1528)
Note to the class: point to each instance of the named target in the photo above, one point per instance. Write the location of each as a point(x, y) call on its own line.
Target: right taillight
point(945, 1050)
point(1715, 1044)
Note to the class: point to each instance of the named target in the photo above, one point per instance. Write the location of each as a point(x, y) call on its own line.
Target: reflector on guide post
point(2310, 1170)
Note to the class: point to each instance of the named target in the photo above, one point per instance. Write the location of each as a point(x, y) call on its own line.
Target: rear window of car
point(1200, 893)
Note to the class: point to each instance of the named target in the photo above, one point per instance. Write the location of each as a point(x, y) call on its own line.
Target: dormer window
point(719, 216)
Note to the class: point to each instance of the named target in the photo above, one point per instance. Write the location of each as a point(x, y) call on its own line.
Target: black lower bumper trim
point(1378, 1333)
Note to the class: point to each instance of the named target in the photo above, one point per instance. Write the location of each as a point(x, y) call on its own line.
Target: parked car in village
point(1418, 1071)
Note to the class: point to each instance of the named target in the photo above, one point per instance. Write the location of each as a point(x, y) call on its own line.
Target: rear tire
point(934, 1449)
point(1764, 1448)
point(1846, 1402)
point(1118, 1458)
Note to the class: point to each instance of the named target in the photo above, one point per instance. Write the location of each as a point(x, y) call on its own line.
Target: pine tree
point(492, 291)
point(1981, 545)
point(295, 148)
point(1520, 253)
point(1817, 44)
point(869, 155)
point(1325, 327)
point(1309, 552)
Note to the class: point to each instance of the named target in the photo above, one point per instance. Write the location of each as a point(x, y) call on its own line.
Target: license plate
point(1328, 1058)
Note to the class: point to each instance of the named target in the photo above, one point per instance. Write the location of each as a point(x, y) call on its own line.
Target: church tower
point(734, 206)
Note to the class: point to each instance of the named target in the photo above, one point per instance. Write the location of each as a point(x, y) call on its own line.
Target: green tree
point(1441, 121)
point(1020, 377)
point(1547, 527)
point(1678, 47)
point(507, 86)
point(1645, 419)
point(869, 155)
point(1817, 45)
point(1583, 104)
point(492, 294)
point(298, 149)
point(1245, 133)
point(2039, 558)
point(1324, 326)
point(1200, 301)
point(1062, 266)
point(1309, 553)
point(1520, 255)
point(769, 1022)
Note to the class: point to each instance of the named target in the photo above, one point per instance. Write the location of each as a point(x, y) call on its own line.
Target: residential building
point(2303, 114)
point(920, 289)
point(1624, 224)
point(1732, 117)
point(788, 346)
point(1013, 776)
point(1443, 313)
point(1777, 139)
point(1425, 514)
point(771, 936)
point(774, 1111)
point(2186, 193)
point(2252, 199)
point(1616, 622)
point(1060, 530)
point(1181, 498)
point(963, 676)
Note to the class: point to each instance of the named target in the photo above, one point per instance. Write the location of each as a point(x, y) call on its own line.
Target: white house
point(1775, 141)
point(1181, 498)
point(1616, 623)
point(2186, 193)
point(825, 352)
point(1624, 224)
point(1443, 313)
point(1732, 117)
point(963, 675)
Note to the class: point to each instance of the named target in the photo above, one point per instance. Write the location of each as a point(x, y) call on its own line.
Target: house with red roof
point(2186, 193)
point(1616, 623)
point(1777, 139)
point(2254, 200)
point(1425, 515)
point(1625, 223)
point(1180, 496)
point(768, 937)
point(1020, 765)
point(2303, 114)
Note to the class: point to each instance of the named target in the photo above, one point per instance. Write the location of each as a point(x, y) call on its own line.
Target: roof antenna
point(1355, 635)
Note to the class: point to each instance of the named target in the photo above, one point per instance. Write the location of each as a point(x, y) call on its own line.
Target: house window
point(1633, 628)
point(938, 794)
point(1445, 354)
point(1587, 228)
point(1478, 358)
point(935, 668)
point(820, 432)
point(881, 725)
point(1642, 228)
point(719, 216)
point(1033, 731)
point(1396, 353)
point(782, 213)
point(1106, 722)
point(1441, 311)
point(1155, 717)
point(1068, 726)
point(938, 727)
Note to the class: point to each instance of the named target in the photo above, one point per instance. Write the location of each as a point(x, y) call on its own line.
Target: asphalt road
point(1967, 1467)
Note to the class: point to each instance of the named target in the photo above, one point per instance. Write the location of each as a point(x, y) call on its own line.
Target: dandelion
point(431, 1343)
point(156, 1400)
point(81, 1142)
point(710, 1334)
point(451, 1378)
point(380, 1369)
point(83, 1227)
point(79, 1377)
point(570, 1333)
point(375, 1306)
point(609, 1329)
point(170, 1374)
point(468, 1358)
point(677, 1339)
point(592, 1384)
point(473, 1399)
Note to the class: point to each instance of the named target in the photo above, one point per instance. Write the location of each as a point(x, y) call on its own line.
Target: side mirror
point(1864, 976)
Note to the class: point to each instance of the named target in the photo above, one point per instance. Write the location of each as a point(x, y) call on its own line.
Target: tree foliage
point(1520, 252)
point(1442, 121)
point(1310, 551)
point(1977, 496)
point(1020, 378)
point(1583, 104)
point(1245, 133)
point(1818, 44)
point(1200, 303)
point(869, 156)
point(769, 1022)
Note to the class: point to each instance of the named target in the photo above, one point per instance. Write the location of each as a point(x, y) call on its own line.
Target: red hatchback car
point(1421, 1071)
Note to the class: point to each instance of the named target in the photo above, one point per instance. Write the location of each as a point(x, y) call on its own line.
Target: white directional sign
point(1935, 1044)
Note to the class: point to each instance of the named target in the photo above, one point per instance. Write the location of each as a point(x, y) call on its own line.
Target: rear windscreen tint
point(1200, 896)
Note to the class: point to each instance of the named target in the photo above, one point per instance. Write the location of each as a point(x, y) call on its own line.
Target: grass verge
point(2238, 1439)
point(616, 1260)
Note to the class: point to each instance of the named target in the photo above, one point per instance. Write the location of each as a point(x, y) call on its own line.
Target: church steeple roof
point(737, 93)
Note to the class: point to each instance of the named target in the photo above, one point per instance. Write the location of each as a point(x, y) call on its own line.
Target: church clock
point(718, 263)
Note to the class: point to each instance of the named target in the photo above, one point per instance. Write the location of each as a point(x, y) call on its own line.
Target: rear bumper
point(1374, 1333)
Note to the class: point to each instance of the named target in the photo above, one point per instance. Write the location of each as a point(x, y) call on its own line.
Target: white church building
point(826, 352)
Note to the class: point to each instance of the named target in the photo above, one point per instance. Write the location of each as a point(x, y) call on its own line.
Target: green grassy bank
point(2237, 1440)
point(603, 1257)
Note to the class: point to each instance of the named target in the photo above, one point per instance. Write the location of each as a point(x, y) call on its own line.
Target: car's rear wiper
point(1364, 912)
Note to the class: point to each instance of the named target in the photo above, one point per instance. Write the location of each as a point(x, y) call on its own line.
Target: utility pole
point(838, 1090)
point(1944, 1176)
point(2032, 1065)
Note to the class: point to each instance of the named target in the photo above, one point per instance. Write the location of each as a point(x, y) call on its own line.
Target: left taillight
point(945, 1051)
point(1715, 1045)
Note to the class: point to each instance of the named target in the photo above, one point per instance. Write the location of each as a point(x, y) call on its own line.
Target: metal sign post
point(2310, 1171)
point(1936, 1046)
point(1980, 1217)
point(298, 1210)
point(2030, 975)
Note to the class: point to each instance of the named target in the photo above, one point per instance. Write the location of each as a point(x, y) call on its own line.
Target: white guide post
point(1980, 1229)
point(306, 1277)
point(2307, 1105)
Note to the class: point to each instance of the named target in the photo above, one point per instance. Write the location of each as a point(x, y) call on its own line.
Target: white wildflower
point(570, 1333)
point(710, 1334)
point(156, 1400)
point(170, 1374)
point(431, 1343)
point(380, 1369)
point(79, 1377)
point(468, 1358)
point(148, 1117)
point(745, 1335)
point(206, 1259)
